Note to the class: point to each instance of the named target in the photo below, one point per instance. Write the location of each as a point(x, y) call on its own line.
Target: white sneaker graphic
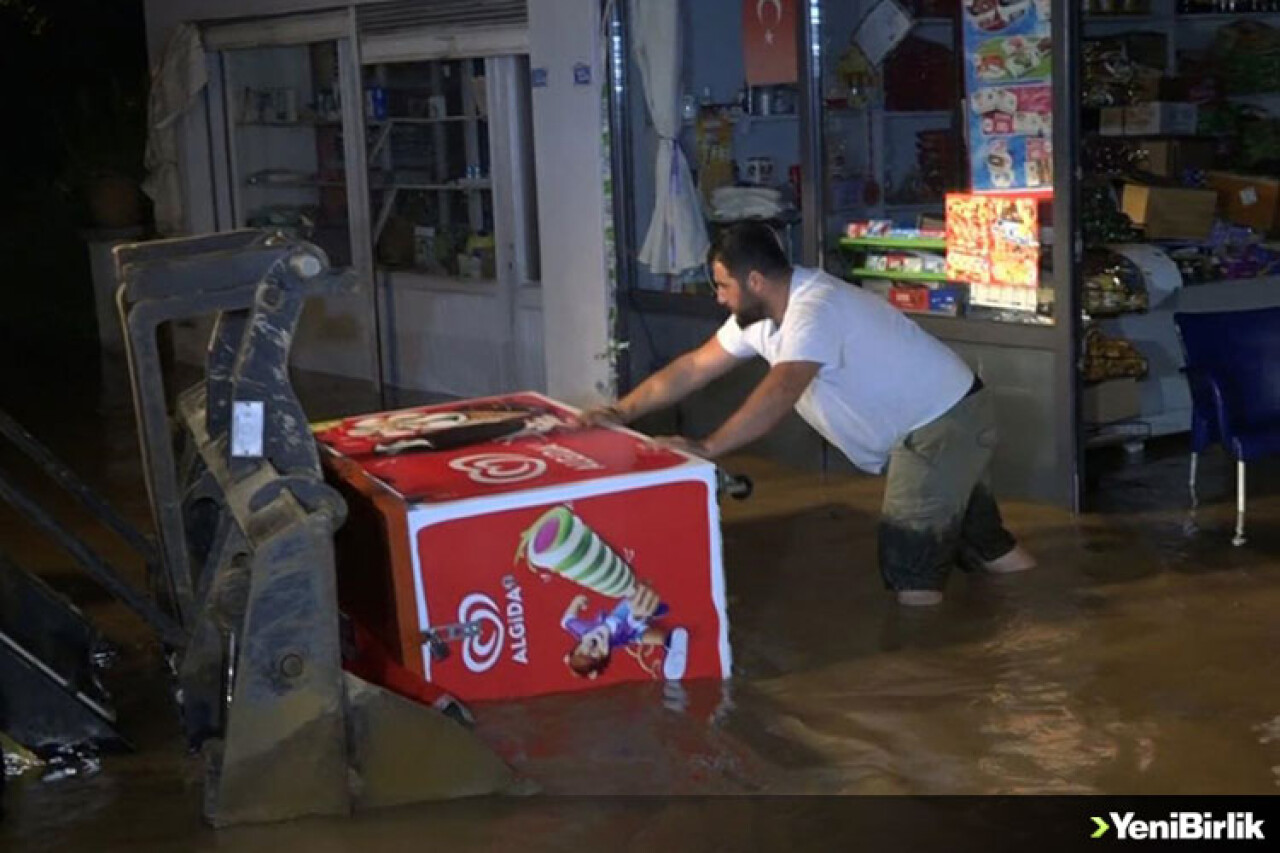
point(677, 655)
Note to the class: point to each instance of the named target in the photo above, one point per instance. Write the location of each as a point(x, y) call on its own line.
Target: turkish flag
point(769, 41)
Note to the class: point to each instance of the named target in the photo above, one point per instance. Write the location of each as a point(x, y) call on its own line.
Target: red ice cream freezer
point(498, 550)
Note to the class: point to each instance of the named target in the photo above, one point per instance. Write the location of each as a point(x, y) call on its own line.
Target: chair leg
point(1191, 484)
point(1239, 539)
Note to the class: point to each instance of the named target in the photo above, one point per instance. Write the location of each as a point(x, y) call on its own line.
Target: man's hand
point(686, 445)
point(644, 603)
point(601, 415)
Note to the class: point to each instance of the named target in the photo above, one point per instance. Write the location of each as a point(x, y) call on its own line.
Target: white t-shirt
point(882, 376)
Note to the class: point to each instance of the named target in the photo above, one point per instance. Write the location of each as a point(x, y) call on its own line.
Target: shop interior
point(410, 162)
point(1179, 196)
point(1170, 121)
point(852, 157)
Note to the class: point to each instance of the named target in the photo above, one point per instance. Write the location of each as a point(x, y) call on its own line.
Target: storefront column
point(565, 35)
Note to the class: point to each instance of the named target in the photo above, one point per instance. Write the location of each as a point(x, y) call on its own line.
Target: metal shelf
point(399, 185)
point(303, 123)
point(1222, 17)
point(919, 114)
point(890, 243)
point(294, 185)
point(915, 205)
point(899, 275)
point(436, 120)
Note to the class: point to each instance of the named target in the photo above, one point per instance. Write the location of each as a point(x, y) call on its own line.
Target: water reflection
point(1135, 659)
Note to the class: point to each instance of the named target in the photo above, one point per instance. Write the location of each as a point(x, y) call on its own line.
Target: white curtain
point(175, 83)
point(677, 238)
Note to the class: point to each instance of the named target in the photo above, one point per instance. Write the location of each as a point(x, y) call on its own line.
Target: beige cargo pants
point(938, 508)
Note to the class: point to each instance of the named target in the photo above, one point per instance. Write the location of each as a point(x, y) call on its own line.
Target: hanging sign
point(1008, 83)
point(882, 30)
point(769, 42)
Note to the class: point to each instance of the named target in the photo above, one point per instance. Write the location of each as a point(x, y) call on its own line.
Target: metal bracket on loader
point(246, 527)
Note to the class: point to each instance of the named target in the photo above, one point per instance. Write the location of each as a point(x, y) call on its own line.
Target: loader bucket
point(245, 524)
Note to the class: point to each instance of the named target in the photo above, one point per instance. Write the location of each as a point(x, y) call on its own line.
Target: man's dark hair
point(747, 246)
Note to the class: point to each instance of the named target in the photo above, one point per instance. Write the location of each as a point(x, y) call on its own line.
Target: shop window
point(436, 166)
point(286, 158)
point(938, 135)
point(1180, 193)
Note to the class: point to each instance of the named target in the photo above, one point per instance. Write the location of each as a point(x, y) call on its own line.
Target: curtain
point(176, 82)
point(677, 236)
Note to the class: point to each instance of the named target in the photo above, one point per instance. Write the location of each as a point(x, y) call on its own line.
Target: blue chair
point(1233, 370)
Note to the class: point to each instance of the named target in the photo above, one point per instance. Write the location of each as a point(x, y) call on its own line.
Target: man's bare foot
point(919, 597)
point(1017, 560)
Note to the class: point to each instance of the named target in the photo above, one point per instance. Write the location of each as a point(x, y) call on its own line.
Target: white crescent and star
point(760, 7)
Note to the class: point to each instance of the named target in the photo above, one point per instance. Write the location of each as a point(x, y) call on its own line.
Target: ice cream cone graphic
point(561, 542)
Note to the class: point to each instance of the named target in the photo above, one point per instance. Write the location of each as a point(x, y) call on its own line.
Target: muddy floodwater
point(1139, 658)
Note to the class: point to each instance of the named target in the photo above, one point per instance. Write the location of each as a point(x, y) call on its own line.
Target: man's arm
point(776, 394)
point(575, 607)
point(669, 385)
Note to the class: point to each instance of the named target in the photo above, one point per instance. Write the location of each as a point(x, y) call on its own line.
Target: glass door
point(292, 149)
point(452, 221)
point(429, 168)
point(892, 149)
point(287, 140)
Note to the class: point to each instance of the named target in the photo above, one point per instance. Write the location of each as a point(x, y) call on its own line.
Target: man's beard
point(751, 312)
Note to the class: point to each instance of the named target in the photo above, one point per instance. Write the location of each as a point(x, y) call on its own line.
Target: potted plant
point(105, 134)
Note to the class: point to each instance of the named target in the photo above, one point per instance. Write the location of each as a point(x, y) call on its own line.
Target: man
point(872, 383)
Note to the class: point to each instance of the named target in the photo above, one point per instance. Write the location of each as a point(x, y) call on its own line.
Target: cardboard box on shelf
point(909, 297)
point(1248, 200)
point(1111, 401)
point(946, 300)
point(1170, 158)
point(1149, 119)
point(1161, 117)
point(1170, 213)
point(1146, 83)
point(1112, 121)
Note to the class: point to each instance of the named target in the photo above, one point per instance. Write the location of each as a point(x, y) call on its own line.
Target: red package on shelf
point(909, 298)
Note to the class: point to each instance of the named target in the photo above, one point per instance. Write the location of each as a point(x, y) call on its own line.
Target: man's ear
point(755, 283)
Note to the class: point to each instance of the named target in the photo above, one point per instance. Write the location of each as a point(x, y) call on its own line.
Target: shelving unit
point(878, 145)
point(286, 163)
point(864, 243)
point(1165, 18)
point(898, 275)
point(292, 124)
point(437, 156)
point(1165, 402)
point(860, 246)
